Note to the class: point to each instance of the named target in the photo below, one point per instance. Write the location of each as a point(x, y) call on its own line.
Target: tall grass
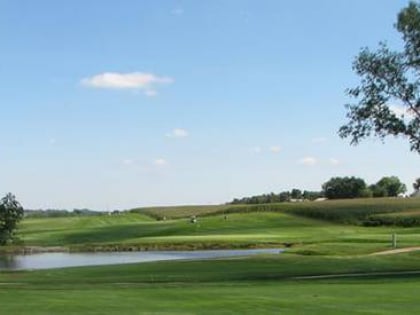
point(351, 211)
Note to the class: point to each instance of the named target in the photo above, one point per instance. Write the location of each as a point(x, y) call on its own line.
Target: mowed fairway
point(135, 228)
point(266, 285)
point(346, 297)
point(326, 269)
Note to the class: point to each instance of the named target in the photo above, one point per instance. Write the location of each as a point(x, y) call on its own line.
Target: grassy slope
point(176, 212)
point(309, 236)
point(251, 228)
point(348, 210)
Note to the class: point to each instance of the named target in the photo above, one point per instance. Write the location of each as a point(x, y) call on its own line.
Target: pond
point(61, 260)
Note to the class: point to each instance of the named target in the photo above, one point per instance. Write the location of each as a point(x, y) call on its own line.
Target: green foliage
point(312, 195)
point(355, 211)
point(283, 196)
point(378, 191)
point(11, 212)
point(344, 187)
point(404, 219)
point(416, 184)
point(335, 188)
point(57, 213)
point(388, 79)
point(296, 193)
point(388, 187)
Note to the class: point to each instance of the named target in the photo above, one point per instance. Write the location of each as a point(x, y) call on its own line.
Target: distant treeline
point(284, 196)
point(335, 188)
point(52, 213)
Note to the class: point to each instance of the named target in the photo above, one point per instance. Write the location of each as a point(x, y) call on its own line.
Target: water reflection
point(7, 262)
point(60, 260)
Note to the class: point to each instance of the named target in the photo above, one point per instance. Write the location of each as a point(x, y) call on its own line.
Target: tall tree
point(389, 186)
point(11, 212)
point(416, 185)
point(344, 187)
point(296, 193)
point(388, 95)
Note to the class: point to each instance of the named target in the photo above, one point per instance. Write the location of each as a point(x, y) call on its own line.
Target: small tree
point(11, 212)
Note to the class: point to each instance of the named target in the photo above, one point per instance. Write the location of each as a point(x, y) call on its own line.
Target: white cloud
point(275, 149)
point(177, 133)
point(145, 82)
point(308, 161)
point(256, 149)
point(160, 162)
point(334, 161)
point(319, 140)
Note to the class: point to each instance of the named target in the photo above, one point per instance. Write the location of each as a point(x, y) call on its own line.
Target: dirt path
point(397, 251)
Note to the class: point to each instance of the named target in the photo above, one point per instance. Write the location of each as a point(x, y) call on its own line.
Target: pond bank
point(88, 248)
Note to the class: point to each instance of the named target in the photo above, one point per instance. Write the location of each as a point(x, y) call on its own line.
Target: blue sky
point(110, 104)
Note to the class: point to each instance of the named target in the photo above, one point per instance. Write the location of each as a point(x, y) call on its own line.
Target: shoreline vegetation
point(27, 250)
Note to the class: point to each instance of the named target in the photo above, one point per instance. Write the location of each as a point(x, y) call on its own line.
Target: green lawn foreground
point(267, 284)
point(369, 297)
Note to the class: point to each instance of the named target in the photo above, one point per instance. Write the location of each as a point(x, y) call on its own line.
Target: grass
point(353, 211)
point(253, 229)
point(256, 268)
point(266, 284)
point(305, 235)
point(177, 212)
point(395, 297)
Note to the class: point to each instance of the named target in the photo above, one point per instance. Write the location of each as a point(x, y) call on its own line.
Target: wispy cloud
point(145, 82)
point(275, 149)
point(256, 149)
point(177, 133)
point(308, 161)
